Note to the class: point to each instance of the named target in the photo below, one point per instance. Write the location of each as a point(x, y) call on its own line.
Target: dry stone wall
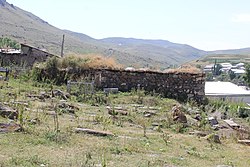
point(20, 60)
point(181, 86)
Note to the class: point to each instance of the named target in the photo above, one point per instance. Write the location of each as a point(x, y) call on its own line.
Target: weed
point(33, 160)
point(179, 128)
point(166, 138)
point(59, 138)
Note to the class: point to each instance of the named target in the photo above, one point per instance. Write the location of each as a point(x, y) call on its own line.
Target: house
point(26, 57)
point(240, 65)
point(34, 54)
point(238, 72)
point(225, 67)
point(208, 68)
point(226, 90)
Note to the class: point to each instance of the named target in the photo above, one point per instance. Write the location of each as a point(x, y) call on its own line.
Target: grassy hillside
point(25, 27)
point(144, 132)
point(28, 28)
point(166, 52)
point(242, 51)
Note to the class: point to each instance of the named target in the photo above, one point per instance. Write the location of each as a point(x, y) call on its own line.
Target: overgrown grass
point(51, 141)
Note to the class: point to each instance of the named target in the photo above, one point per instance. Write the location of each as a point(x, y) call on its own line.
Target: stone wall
point(20, 60)
point(181, 86)
point(28, 56)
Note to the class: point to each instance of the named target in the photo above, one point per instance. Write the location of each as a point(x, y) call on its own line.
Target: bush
point(88, 61)
point(8, 43)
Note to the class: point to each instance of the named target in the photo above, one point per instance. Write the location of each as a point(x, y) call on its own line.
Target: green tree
point(217, 68)
point(247, 75)
point(231, 75)
point(8, 43)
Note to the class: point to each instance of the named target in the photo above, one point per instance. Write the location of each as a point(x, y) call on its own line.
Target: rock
point(69, 108)
point(157, 124)
point(94, 132)
point(246, 142)
point(198, 133)
point(212, 121)
point(178, 116)
point(116, 111)
point(147, 115)
point(8, 112)
point(150, 112)
point(61, 94)
point(232, 124)
point(217, 138)
point(198, 117)
point(11, 127)
point(214, 138)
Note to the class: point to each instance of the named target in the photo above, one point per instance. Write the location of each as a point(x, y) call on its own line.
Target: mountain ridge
point(26, 27)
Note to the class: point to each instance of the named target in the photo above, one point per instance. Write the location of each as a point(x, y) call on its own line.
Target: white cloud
point(241, 18)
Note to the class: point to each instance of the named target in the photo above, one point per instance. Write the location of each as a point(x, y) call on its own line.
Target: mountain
point(163, 50)
point(242, 51)
point(25, 27)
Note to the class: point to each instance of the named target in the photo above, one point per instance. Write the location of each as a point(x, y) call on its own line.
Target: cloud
point(241, 18)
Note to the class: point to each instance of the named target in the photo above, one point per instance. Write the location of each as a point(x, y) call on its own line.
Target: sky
point(204, 24)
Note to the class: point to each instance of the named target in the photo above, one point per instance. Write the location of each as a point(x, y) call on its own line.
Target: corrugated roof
point(224, 89)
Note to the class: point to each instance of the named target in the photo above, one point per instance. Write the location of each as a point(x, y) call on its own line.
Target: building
point(26, 57)
point(208, 68)
point(226, 90)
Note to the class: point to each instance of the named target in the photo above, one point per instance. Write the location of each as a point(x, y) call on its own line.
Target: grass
point(220, 58)
point(136, 142)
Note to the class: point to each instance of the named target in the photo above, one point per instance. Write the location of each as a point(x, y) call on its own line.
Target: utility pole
point(62, 47)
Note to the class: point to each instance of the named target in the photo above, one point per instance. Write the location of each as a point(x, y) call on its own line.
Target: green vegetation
point(247, 75)
point(143, 127)
point(7, 43)
point(139, 53)
point(225, 58)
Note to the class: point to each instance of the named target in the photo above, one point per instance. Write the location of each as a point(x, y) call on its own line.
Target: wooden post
point(68, 86)
point(62, 46)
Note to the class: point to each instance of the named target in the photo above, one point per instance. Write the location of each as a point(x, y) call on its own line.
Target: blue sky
point(204, 24)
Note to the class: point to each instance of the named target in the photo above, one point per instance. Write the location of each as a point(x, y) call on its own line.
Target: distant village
point(226, 72)
point(237, 69)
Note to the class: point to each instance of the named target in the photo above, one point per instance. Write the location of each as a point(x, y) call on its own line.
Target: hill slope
point(243, 51)
point(27, 28)
point(166, 52)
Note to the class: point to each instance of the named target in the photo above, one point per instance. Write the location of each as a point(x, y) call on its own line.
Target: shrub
point(88, 61)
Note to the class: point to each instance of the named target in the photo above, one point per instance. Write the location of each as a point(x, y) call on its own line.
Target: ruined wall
point(27, 58)
point(181, 86)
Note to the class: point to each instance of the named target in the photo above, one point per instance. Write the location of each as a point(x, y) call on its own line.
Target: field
point(139, 126)
point(221, 58)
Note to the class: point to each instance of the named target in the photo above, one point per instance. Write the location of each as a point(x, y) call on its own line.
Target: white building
point(226, 90)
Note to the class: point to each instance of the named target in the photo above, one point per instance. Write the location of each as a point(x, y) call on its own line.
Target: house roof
point(42, 50)
point(238, 71)
point(224, 89)
point(10, 51)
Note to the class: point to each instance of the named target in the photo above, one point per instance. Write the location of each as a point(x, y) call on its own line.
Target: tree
point(8, 43)
point(247, 75)
point(217, 68)
point(231, 75)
